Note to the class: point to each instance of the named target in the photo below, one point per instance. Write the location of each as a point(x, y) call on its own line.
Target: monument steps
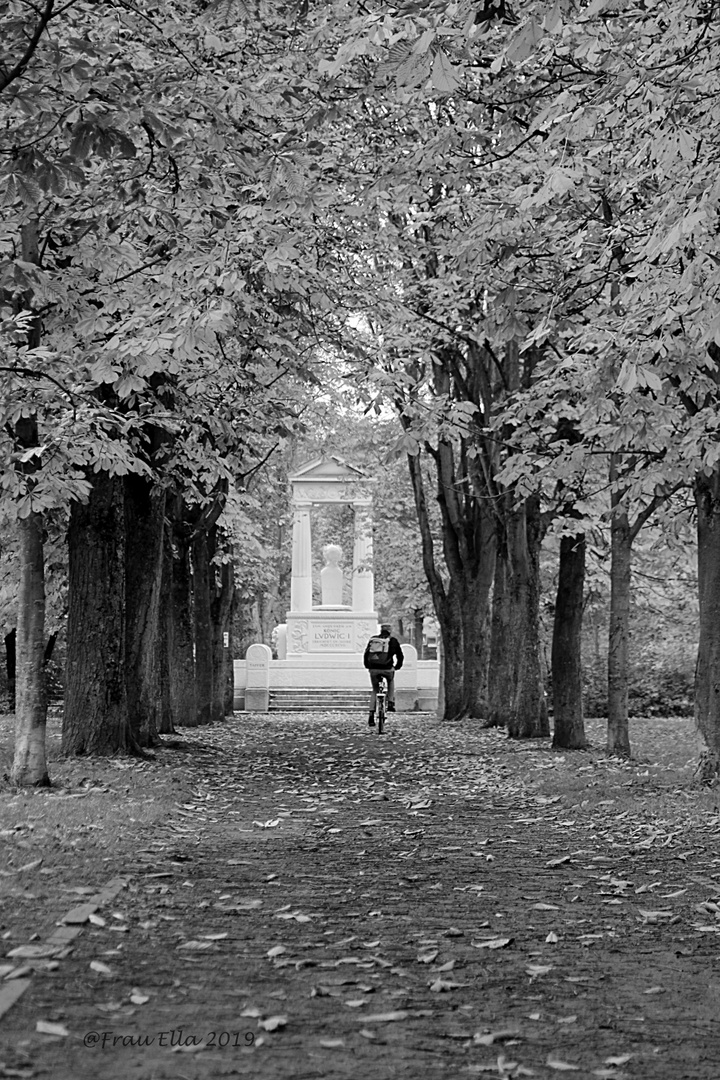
point(318, 700)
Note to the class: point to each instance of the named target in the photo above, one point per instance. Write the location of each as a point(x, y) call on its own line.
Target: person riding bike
point(383, 657)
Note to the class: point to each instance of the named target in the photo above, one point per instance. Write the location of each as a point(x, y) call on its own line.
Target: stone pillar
point(406, 681)
point(301, 582)
point(257, 690)
point(363, 581)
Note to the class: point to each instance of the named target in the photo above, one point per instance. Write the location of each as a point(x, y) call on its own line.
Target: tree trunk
point(618, 736)
point(476, 644)
point(418, 627)
point(144, 518)
point(29, 767)
point(451, 630)
point(566, 660)
point(221, 608)
point(95, 719)
point(461, 607)
point(528, 719)
point(181, 660)
point(501, 670)
point(50, 647)
point(229, 700)
point(451, 704)
point(10, 666)
point(29, 764)
point(165, 618)
point(203, 627)
point(478, 580)
point(707, 672)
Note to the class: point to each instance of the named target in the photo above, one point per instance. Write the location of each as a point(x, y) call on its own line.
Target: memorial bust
point(331, 576)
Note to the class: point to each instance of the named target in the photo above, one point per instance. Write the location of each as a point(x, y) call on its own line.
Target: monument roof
point(330, 468)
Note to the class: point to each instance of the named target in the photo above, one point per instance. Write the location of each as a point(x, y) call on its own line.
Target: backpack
point(378, 652)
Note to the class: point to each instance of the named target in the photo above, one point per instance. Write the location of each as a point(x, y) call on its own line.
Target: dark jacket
point(394, 653)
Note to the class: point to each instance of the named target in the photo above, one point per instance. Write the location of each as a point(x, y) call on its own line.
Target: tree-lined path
point(426, 905)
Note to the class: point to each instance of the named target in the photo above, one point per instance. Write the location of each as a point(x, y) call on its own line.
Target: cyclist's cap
point(386, 626)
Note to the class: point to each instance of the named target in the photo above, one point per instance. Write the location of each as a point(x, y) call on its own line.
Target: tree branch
point(27, 56)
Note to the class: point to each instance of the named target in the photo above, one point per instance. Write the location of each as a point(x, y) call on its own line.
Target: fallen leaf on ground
point(102, 969)
point(386, 1018)
point(427, 957)
point(495, 1036)
point(492, 943)
point(273, 1023)
point(442, 985)
point(46, 1028)
point(560, 1066)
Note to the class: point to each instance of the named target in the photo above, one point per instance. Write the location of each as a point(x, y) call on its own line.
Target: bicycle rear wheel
point(381, 709)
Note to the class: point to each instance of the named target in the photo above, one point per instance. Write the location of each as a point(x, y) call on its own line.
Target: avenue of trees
point(496, 223)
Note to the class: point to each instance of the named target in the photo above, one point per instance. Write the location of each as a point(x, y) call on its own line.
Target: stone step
point(317, 700)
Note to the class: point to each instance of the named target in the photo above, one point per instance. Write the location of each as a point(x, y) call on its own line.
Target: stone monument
point(320, 647)
point(331, 628)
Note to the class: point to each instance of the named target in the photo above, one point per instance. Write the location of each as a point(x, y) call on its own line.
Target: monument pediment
point(330, 480)
point(327, 469)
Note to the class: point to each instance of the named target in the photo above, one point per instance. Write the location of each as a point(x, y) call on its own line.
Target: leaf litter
point(470, 794)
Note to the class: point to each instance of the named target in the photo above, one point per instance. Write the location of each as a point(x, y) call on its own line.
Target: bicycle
point(381, 704)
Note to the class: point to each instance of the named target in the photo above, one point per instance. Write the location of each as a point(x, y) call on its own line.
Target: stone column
point(363, 581)
point(301, 582)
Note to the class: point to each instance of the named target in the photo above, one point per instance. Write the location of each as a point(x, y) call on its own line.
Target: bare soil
point(307, 899)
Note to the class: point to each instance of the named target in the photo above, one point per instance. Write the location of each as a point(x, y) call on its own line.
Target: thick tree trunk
point(451, 630)
point(29, 767)
point(529, 710)
point(566, 659)
point(11, 666)
point(618, 735)
point(95, 719)
point(144, 517)
point(476, 629)
point(202, 627)
point(707, 672)
point(181, 660)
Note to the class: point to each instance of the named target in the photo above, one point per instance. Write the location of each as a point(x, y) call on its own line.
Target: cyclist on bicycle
point(383, 657)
